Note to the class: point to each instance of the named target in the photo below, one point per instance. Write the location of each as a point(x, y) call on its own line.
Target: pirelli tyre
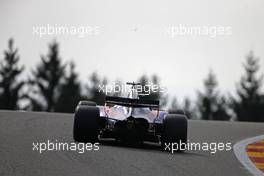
point(178, 111)
point(175, 127)
point(85, 127)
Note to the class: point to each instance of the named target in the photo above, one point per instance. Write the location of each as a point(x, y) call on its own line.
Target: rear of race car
point(128, 119)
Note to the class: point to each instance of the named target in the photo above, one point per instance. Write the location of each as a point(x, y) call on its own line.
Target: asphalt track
point(18, 130)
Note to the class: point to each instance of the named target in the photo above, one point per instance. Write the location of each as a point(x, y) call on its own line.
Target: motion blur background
point(213, 77)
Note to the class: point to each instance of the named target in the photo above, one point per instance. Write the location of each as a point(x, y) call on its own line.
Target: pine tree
point(187, 107)
point(222, 108)
point(249, 106)
point(174, 105)
point(151, 89)
point(117, 92)
point(46, 80)
point(207, 100)
point(211, 105)
point(70, 92)
point(94, 92)
point(143, 93)
point(157, 94)
point(10, 86)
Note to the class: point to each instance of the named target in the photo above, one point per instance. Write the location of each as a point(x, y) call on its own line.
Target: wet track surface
point(18, 130)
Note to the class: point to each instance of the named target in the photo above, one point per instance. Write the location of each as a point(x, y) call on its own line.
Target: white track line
point(241, 154)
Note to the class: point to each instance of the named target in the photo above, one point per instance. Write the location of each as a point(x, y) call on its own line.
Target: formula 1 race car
point(128, 119)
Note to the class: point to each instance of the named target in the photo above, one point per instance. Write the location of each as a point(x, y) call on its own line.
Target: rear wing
point(131, 102)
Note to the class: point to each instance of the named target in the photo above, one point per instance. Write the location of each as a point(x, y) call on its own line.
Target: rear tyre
point(85, 127)
point(178, 111)
point(174, 132)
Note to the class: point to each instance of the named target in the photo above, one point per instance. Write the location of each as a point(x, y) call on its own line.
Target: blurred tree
point(69, 92)
point(207, 100)
point(152, 90)
point(47, 79)
point(174, 105)
point(143, 93)
point(9, 73)
point(187, 107)
point(249, 106)
point(158, 94)
point(117, 89)
point(222, 108)
point(94, 92)
point(210, 104)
